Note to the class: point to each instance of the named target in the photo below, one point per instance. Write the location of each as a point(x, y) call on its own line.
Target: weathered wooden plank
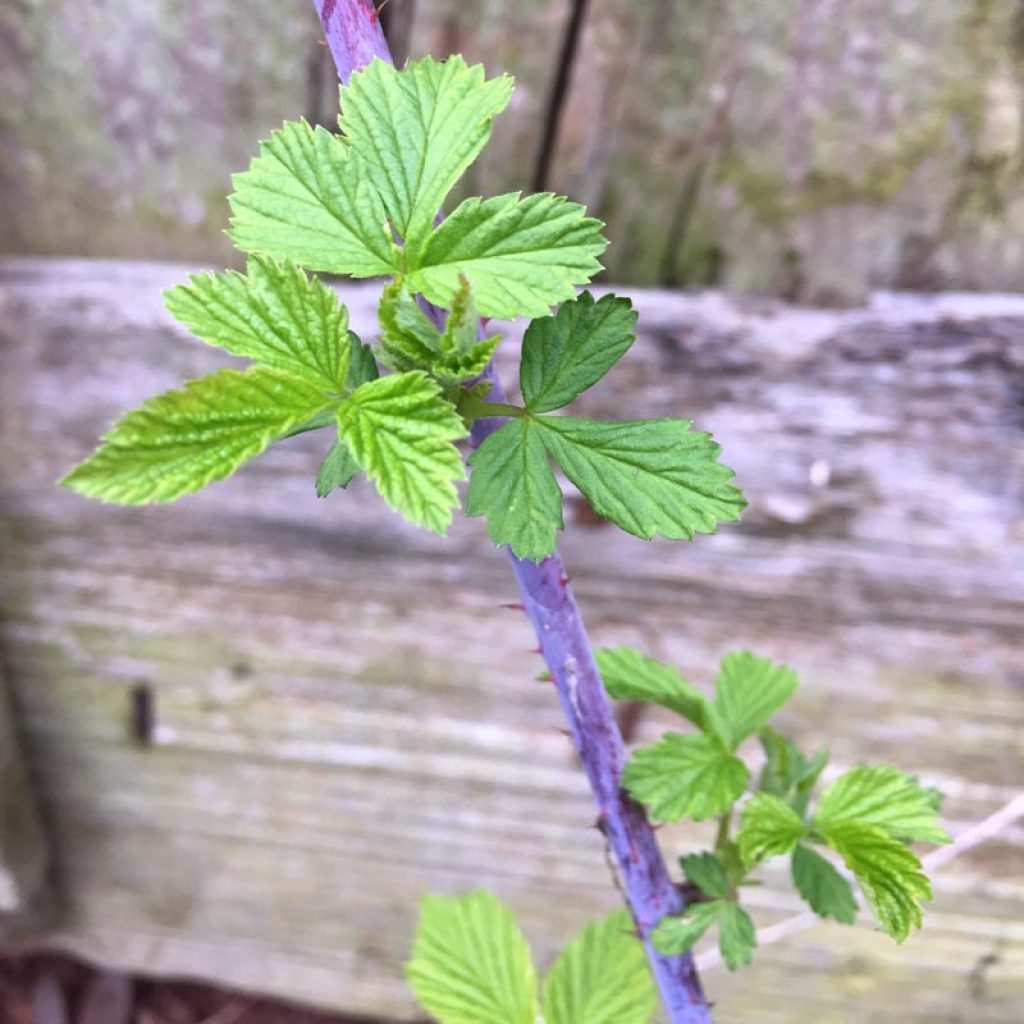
point(345, 717)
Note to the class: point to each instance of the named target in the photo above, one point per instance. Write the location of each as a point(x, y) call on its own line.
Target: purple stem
point(354, 35)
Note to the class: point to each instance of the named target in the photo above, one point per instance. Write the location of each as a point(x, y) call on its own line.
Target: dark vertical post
point(558, 95)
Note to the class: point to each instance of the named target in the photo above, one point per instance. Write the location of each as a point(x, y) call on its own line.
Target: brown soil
point(50, 989)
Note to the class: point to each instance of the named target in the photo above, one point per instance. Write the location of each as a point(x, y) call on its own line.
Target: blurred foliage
point(810, 148)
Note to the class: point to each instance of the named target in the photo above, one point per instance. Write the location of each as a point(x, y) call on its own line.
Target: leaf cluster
point(363, 202)
point(868, 816)
point(472, 965)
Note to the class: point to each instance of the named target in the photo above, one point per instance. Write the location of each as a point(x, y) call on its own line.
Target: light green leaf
point(685, 776)
point(400, 431)
point(274, 315)
point(737, 937)
point(303, 199)
point(889, 873)
point(409, 340)
point(464, 366)
point(883, 796)
point(462, 326)
point(471, 964)
point(748, 691)
point(337, 469)
point(769, 827)
point(512, 484)
point(601, 977)
point(417, 130)
point(650, 477)
point(183, 440)
point(629, 675)
point(520, 255)
point(808, 780)
point(567, 353)
point(677, 934)
point(825, 890)
point(786, 772)
point(705, 871)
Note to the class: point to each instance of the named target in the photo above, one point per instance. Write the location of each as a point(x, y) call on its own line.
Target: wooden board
point(346, 717)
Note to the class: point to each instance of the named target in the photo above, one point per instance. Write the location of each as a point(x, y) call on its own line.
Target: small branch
point(974, 836)
point(353, 32)
point(559, 93)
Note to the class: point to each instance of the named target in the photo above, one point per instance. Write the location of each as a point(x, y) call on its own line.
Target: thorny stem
point(354, 35)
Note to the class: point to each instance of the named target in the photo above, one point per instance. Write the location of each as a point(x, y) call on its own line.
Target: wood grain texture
point(346, 718)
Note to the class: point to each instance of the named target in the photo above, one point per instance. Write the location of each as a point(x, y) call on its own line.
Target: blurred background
point(242, 735)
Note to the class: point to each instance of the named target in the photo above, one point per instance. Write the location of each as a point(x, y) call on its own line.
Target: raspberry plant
point(364, 203)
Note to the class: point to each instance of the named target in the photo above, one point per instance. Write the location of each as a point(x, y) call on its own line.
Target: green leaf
point(769, 827)
point(883, 796)
point(601, 977)
point(471, 964)
point(512, 484)
point(520, 255)
point(705, 871)
point(417, 130)
point(464, 366)
point(737, 937)
point(363, 366)
point(889, 873)
point(677, 934)
point(337, 469)
point(303, 199)
point(409, 340)
point(629, 675)
point(400, 431)
point(183, 440)
point(567, 353)
point(650, 477)
point(787, 773)
point(274, 315)
point(824, 889)
point(682, 776)
point(748, 691)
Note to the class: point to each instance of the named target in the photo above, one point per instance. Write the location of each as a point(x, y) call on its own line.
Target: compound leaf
point(883, 796)
point(520, 255)
point(888, 871)
point(601, 977)
point(629, 675)
point(680, 776)
point(769, 827)
point(826, 891)
point(400, 430)
point(512, 484)
point(648, 476)
point(274, 315)
point(471, 964)
point(182, 440)
point(417, 130)
point(748, 691)
point(565, 354)
point(304, 199)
